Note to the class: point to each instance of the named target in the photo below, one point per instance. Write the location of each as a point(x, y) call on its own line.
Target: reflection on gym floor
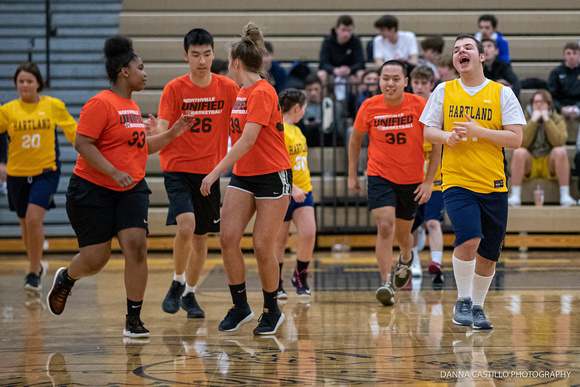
point(339, 336)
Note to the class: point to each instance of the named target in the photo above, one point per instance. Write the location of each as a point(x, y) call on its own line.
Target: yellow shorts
point(540, 169)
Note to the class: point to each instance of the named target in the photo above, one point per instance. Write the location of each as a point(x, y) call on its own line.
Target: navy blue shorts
point(97, 213)
point(477, 215)
point(384, 193)
point(39, 190)
point(432, 210)
point(293, 206)
point(184, 196)
point(269, 186)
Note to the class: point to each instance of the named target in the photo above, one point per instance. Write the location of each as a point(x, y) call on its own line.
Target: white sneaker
point(416, 270)
point(567, 201)
point(514, 201)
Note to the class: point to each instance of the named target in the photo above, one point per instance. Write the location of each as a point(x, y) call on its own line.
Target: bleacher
point(536, 32)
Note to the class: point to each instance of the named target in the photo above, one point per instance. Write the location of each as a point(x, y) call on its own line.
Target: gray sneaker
point(462, 312)
point(385, 294)
point(402, 272)
point(479, 320)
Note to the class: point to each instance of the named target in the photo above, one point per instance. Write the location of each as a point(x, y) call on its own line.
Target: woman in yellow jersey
point(33, 166)
point(301, 208)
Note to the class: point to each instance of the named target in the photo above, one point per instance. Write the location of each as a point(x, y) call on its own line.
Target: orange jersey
point(259, 104)
point(201, 148)
point(395, 138)
point(116, 123)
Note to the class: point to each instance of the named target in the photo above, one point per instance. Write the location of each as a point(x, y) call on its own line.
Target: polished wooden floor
point(342, 336)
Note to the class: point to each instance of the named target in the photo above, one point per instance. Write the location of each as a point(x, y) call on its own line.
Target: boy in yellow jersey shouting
point(480, 117)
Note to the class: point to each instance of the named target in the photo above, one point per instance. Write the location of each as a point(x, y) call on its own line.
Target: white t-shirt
point(405, 47)
point(511, 110)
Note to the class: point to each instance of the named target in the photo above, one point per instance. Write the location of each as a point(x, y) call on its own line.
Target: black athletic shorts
point(269, 186)
point(184, 196)
point(385, 193)
point(97, 213)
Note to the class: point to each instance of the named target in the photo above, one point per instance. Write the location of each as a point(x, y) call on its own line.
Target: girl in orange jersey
point(261, 184)
point(33, 168)
point(301, 208)
point(107, 195)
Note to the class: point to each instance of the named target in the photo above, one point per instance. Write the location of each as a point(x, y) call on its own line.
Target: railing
point(339, 211)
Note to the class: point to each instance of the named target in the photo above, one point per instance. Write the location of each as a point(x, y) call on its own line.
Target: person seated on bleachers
point(322, 124)
point(368, 87)
point(496, 69)
point(431, 49)
point(542, 154)
point(392, 43)
point(487, 25)
point(220, 67)
point(564, 82)
point(341, 56)
point(276, 74)
point(445, 69)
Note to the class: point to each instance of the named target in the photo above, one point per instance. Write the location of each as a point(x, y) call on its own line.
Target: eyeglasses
point(542, 101)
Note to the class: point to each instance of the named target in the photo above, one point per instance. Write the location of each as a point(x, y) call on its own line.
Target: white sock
point(564, 191)
point(463, 272)
point(189, 289)
point(516, 191)
point(480, 287)
point(437, 256)
point(179, 277)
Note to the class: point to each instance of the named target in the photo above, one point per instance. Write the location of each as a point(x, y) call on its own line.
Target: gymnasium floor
point(342, 336)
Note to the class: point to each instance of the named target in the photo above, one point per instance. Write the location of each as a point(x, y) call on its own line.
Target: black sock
point(67, 277)
point(239, 295)
point(270, 301)
point(300, 265)
point(280, 280)
point(134, 307)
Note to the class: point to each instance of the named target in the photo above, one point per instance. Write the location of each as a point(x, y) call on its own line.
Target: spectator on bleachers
point(542, 154)
point(496, 69)
point(341, 55)
point(323, 124)
point(368, 87)
point(220, 67)
point(564, 82)
point(422, 81)
point(276, 74)
point(487, 25)
point(446, 70)
point(33, 165)
point(392, 43)
point(431, 49)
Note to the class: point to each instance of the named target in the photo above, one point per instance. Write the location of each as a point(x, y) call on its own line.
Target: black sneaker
point(402, 272)
point(56, 299)
point(33, 281)
point(236, 316)
point(189, 304)
point(269, 323)
point(134, 327)
point(171, 301)
point(300, 282)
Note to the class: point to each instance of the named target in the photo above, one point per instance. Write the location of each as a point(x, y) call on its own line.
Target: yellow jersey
point(474, 164)
point(298, 151)
point(31, 127)
point(427, 147)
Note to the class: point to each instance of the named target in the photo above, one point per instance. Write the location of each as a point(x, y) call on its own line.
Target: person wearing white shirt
point(392, 43)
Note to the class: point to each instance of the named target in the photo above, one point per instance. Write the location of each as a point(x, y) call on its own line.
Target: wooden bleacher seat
point(371, 5)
